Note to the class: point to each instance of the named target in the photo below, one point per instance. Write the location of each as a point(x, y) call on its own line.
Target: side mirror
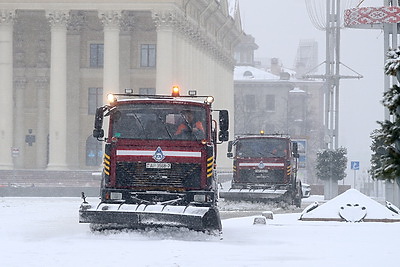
point(295, 149)
point(223, 126)
point(223, 120)
point(223, 136)
point(230, 144)
point(98, 132)
point(230, 154)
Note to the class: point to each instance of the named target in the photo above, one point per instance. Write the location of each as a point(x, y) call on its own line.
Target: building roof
point(249, 73)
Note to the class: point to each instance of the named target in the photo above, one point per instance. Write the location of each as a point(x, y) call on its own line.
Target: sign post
point(355, 165)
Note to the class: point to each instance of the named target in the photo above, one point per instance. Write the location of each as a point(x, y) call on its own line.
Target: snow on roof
point(251, 73)
point(353, 206)
point(297, 90)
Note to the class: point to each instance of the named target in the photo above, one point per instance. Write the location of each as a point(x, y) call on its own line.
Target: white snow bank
point(352, 205)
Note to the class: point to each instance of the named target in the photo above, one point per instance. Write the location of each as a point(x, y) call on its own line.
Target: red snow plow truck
point(264, 169)
point(159, 163)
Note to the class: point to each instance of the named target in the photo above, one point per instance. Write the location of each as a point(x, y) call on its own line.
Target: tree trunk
point(330, 189)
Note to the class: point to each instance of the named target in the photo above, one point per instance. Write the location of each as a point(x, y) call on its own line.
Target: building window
point(96, 55)
point(237, 57)
point(248, 74)
point(95, 99)
point(147, 91)
point(270, 103)
point(148, 55)
point(250, 103)
point(94, 152)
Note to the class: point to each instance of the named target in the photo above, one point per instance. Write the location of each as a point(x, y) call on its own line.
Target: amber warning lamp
point(175, 91)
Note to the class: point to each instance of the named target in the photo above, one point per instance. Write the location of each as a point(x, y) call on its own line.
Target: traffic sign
point(355, 165)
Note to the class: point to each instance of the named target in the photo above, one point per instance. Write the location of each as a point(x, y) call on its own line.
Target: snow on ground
point(45, 232)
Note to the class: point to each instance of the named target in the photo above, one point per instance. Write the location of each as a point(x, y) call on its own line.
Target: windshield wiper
point(165, 126)
point(140, 123)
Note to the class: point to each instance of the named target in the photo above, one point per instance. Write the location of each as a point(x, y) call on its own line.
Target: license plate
point(158, 165)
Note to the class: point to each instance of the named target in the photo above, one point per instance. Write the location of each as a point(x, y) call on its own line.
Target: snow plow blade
point(253, 195)
point(139, 216)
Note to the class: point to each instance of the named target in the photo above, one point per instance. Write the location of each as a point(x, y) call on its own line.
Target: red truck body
point(264, 168)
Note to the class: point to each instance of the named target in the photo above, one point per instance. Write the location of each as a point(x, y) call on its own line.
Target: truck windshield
point(159, 121)
point(261, 147)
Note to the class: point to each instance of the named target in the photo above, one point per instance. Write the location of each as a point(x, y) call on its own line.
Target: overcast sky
point(278, 26)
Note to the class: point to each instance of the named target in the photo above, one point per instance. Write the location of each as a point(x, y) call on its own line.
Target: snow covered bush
point(331, 164)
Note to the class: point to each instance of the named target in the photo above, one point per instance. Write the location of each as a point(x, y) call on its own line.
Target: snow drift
point(351, 206)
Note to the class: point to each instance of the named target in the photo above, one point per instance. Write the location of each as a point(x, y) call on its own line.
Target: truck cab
point(159, 158)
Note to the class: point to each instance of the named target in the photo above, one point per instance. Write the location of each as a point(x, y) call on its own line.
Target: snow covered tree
point(331, 164)
point(392, 64)
point(385, 159)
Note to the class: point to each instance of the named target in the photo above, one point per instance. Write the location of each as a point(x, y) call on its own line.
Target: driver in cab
point(190, 124)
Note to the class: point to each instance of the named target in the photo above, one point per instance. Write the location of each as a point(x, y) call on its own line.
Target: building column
point(41, 83)
point(19, 123)
point(6, 78)
point(75, 157)
point(58, 90)
point(127, 26)
point(164, 21)
point(111, 23)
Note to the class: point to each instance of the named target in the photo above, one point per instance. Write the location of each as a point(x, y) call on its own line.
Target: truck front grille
point(266, 177)
point(180, 175)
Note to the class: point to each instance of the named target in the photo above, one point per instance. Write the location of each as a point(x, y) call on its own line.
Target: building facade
point(58, 60)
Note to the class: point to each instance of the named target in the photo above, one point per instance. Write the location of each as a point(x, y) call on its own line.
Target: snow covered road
point(46, 232)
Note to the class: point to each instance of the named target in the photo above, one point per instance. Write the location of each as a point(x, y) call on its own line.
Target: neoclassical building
point(58, 59)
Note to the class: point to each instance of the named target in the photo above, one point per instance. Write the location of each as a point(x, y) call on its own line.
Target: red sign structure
point(371, 17)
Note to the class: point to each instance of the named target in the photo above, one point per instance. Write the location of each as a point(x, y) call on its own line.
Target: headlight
point(115, 196)
point(111, 98)
point(209, 100)
point(199, 198)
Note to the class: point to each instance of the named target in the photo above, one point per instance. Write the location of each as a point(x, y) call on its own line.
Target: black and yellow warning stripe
point(106, 164)
point(289, 170)
point(210, 166)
